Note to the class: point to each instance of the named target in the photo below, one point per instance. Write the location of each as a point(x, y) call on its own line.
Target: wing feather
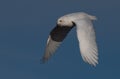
point(87, 41)
point(50, 49)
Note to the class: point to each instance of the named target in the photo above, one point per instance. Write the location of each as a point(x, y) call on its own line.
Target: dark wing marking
point(57, 35)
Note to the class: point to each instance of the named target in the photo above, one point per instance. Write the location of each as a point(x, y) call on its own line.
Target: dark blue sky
point(24, 29)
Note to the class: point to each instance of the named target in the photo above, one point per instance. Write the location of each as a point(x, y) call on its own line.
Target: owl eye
point(60, 20)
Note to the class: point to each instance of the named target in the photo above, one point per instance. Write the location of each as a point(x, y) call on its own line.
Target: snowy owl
point(85, 34)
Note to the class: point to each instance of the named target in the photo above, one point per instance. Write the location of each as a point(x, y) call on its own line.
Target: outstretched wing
point(87, 41)
point(56, 36)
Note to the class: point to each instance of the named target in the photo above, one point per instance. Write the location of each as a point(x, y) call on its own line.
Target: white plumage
point(85, 34)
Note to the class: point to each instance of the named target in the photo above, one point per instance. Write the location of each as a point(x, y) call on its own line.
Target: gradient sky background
point(24, 29)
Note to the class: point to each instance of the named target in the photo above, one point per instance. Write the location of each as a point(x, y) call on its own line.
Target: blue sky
point(24, 29)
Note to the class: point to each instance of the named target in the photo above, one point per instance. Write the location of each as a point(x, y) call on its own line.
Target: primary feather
point(87, 41)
